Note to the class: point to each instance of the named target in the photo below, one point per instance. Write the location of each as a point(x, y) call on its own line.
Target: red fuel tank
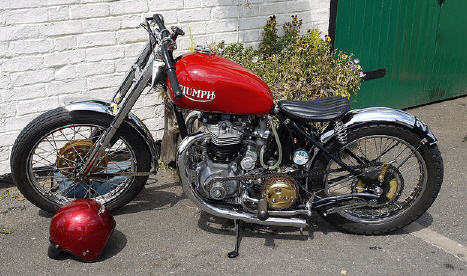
point(214, 84)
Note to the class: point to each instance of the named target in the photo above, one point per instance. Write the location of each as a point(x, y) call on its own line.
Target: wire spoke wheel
point(396, 165)
point(404, 180)
point(58, 156)
point(51, 151)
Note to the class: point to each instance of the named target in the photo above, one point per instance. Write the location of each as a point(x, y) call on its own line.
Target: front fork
point(140, 80)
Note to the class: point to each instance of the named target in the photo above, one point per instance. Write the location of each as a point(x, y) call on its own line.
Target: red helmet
point(82, 228)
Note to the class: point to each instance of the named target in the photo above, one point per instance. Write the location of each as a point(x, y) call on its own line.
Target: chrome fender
point(382, 115)
point(132, 120)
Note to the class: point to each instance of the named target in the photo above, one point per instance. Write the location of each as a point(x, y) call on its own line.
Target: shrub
point(299, 67)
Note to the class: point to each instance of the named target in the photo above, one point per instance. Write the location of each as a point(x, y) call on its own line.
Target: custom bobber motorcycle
point(367, 171)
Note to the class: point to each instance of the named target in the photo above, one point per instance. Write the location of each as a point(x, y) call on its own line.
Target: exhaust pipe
point(218, 211)
point(190, 120)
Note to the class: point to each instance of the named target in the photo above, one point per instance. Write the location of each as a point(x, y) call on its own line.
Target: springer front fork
point(135, 82)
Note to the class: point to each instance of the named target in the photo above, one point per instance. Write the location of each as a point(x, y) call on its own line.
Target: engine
point(234, 149)
point(228, 152)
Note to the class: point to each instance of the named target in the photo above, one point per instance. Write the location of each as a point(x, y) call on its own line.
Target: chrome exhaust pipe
point(190, 119)
point(218, 211)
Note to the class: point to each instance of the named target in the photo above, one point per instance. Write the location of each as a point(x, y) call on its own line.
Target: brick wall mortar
point(56, 51)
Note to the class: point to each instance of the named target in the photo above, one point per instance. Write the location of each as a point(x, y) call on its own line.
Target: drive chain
point(289, 175)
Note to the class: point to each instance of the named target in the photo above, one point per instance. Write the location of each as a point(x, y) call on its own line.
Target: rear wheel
point(404, 172)
point(50, 150)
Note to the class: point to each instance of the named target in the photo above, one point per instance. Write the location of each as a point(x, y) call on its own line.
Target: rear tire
point(53, 120)
point(434, 177)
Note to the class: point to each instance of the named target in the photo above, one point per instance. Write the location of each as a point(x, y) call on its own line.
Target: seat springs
point(341, 132)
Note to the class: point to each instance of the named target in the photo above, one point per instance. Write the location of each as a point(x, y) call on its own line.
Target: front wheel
point(406, 173)
point(50, 150)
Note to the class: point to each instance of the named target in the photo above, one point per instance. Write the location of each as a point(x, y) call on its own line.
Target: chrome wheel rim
point(53, 180)
point(380, 149)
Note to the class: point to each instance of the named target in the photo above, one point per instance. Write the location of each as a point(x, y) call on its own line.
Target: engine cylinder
point(223, 154)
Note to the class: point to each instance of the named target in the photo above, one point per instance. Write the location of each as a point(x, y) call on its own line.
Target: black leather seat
point(325, 109)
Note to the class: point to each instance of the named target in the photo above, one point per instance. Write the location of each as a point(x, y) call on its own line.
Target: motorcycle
point(367, 171)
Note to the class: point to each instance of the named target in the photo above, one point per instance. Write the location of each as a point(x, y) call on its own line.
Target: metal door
point(450, 61)
point(420, 43)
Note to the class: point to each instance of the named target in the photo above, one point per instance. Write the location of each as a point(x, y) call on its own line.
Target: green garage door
point(422, 45)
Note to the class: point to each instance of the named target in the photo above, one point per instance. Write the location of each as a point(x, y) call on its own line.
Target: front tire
point(48, 150)
point(405, 198)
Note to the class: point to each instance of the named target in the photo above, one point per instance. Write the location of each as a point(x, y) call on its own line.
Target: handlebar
point(160, 23)
point(167, 58)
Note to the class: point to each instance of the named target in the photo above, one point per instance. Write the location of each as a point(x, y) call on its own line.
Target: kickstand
point(234, 253)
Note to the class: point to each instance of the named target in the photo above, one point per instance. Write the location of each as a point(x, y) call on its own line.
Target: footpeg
point(263, 213)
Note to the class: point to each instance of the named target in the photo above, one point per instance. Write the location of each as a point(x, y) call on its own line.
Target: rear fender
point(132, 120)
point(364, 116)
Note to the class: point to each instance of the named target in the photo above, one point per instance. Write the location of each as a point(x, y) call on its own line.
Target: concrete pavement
point(162, 232)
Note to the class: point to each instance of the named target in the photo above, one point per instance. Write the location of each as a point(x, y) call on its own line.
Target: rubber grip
point(158, 19)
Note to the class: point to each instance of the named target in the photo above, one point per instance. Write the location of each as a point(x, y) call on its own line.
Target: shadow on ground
point(115, 244)
point(316, 223)
point(151, 198)
point(156, 197)
point(44, 214)
point(6, 181)
point(223, 226)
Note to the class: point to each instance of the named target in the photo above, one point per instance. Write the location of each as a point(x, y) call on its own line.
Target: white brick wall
point(55, 51)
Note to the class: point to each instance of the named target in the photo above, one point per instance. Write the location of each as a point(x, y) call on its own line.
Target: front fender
point(382, 115)
point(132, 120)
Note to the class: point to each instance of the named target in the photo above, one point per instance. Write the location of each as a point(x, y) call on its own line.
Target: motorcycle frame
point(134, 83)
point(295, 125)
point(137, 79)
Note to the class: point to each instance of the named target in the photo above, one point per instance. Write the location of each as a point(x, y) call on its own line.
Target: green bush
point(299, 67)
